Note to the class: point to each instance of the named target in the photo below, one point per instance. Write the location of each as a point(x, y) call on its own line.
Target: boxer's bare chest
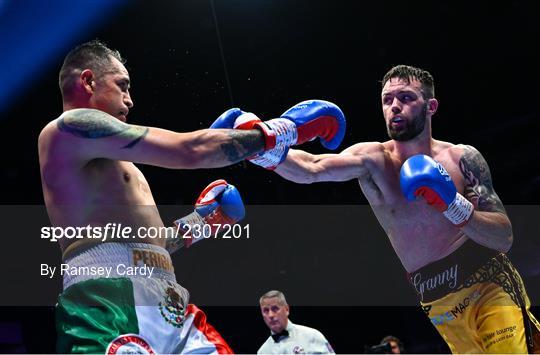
point(103, 191)
point(419, 233)
point(115, 182)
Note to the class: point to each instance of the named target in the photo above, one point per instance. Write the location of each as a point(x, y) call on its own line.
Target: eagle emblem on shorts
point(172, 309)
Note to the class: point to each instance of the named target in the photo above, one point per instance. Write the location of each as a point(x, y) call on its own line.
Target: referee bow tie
point(277, 337)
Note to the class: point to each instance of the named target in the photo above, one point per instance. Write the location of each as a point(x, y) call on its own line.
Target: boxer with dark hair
point(89, 178)
point(436, 202)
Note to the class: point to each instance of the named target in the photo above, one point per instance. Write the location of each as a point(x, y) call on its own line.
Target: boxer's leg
point(453, 317)
point(505, 322)
point(490, 315)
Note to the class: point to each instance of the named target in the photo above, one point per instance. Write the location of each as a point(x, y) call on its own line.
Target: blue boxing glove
point(218, 204)
point(278, 132)
point(226, 119)
point(275, 149)
point(318, 118)
point(311, 119)
point(420, 175)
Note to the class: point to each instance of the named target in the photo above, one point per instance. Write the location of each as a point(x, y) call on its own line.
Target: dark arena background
point(191, 60)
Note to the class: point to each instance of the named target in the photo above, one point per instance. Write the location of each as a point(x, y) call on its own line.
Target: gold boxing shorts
point(476, 300)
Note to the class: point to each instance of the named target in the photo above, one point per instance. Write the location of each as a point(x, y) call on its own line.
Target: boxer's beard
point(411, 129)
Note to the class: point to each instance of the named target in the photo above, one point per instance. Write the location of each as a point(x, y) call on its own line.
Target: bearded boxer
point(88, 175)
point(436, 202)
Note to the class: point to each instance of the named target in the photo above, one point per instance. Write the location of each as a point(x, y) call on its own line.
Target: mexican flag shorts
point(123, 298)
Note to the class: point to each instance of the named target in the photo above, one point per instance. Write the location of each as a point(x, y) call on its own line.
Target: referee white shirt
point(300, 340)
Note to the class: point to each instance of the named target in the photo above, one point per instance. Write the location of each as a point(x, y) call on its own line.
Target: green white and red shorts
point(123, 312)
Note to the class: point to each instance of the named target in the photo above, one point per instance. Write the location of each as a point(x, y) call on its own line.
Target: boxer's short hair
point(407, 72)
point(94, 55)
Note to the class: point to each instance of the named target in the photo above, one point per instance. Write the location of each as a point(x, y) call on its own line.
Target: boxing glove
point(218, 204)
point(312, 119)
point(422, 176)
point(318, 118)
point(278, 132)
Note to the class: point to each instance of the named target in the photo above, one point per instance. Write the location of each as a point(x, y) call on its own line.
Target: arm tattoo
point(478, 185)
point(139, 131)
point(88, 123)
point(243, 145)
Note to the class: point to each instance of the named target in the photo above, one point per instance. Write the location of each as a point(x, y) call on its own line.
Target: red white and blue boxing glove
point(318, 118)
point(268, 159)
point(218, 204)
point(228, 119)
point(312, 119)
point(420, 175)
point(278, 132)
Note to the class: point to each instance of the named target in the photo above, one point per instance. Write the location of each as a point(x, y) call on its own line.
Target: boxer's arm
point(305, 168)
point(89, 134)
point(489, 224)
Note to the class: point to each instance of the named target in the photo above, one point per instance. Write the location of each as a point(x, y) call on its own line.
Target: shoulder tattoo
point(92, 124)
point(478, 184)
